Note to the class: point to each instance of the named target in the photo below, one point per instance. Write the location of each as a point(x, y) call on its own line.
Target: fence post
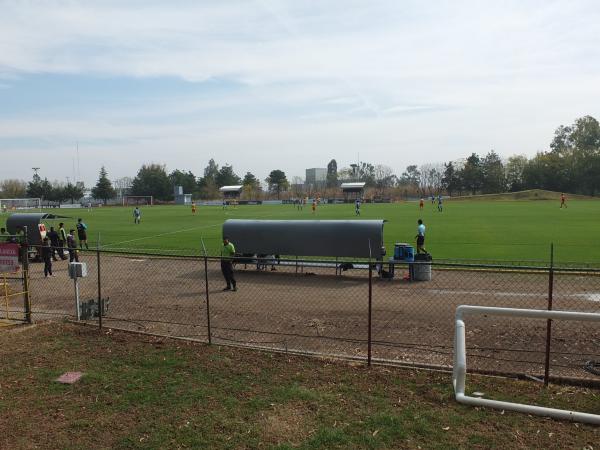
point(24, 248)
point(370, 307)
point(370, 311)
point(206, 293)
point(100, 301)
point(549, 321)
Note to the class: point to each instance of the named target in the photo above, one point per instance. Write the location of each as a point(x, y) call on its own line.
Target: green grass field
point(486, 230)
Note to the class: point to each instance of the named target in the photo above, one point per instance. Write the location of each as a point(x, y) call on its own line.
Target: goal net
point(12, 204)
point(138, 200)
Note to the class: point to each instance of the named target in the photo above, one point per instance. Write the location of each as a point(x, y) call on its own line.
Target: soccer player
point(420, 237)
point(432, 199)
point(82, 234)
point(563, 200)
point(193, 207)
point(314, 206)
point(137, 215)
point(440, 208)
point(72, 246)
point(62, 236)
point(421, 203)
point(227, 254)
point(357, 207)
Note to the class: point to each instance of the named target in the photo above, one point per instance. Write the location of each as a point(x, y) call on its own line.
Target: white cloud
point(400, 82)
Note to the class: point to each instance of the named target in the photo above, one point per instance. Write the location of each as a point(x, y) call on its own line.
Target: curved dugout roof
point(31, 221)
point(328, 238)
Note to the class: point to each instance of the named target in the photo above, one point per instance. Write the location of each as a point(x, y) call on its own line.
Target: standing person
point(137, 216)
point(563, 200)
point(227, 254)
point(432, 199)
point(440, 209)
point(420, 237)
point(62, 240)
point(72, 246)
point(421, 203)
point(193, 207)
point(55, 242)
point(357, 207)
point(47, 257)
point(314, 206)
point(82, 234)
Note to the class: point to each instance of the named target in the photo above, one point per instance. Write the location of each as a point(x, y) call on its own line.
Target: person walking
point(420, 237)
point(137, 216)
point(563, 200)
point(62, 240)
point(357, 207)
point(72, 246)
point(227, 254)
point(82, 234)
point(47, 257)
point(54, 242)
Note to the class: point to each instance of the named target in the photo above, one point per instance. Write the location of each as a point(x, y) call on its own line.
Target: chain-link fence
point(349, 309)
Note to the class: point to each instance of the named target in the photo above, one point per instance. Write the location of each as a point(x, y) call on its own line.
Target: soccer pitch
point(485, 230)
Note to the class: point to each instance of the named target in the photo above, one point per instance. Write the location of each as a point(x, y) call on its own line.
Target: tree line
point(572, 164)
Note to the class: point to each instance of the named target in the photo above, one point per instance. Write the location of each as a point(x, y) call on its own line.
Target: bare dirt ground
point(317, 311)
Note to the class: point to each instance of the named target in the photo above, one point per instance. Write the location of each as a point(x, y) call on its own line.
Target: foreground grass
point(144, 392)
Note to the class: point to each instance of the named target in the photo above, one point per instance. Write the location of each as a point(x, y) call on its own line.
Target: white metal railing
point(460, 361)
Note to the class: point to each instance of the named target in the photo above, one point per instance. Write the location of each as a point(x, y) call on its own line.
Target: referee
point(420, 237)
point(227, 254)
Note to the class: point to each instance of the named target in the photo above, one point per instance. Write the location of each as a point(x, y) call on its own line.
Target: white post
point(77, 306)
point(460, 361)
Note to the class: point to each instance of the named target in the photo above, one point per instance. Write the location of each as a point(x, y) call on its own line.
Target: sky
point(263, 85)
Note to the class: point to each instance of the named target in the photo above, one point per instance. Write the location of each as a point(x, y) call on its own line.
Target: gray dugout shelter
point(34, 222)
point(327, 238)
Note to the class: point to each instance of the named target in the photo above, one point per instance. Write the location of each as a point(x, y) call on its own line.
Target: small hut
point(352, 191)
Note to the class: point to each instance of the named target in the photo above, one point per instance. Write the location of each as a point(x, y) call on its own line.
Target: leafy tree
point(277, 181)
point(332, 174)
point(208, 182)
point(34, 187)
point(185, 179)
point(410, 177)
point(384, 178)
point(73, 191)
point(13, 188)
point(251, 180)
point(492, 169)
point(227, 177)
point(366, 173)
point(471, 175)
point(152, 179)
point(514, 172)
point(104, 189)
point(450, 179)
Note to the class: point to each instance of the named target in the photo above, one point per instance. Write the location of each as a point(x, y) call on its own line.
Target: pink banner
point(9, 258)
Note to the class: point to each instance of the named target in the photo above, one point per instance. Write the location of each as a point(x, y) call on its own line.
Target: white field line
point(590, 296)
point(178, 231)
point(160, 235)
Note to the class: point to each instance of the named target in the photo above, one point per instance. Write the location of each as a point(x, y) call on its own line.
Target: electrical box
point(77, 270)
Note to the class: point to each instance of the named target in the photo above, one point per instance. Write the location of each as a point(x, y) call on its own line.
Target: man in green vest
point(227, 254)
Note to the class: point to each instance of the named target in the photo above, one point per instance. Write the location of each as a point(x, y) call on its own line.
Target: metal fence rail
point(341, 308)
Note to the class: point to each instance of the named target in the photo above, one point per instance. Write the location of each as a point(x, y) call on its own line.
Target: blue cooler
point(404, 252)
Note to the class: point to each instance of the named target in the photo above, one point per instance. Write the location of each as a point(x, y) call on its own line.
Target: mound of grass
point(531, 194)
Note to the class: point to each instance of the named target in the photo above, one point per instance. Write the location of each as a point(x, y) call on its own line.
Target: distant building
point(316, 178)
point(180, 197)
